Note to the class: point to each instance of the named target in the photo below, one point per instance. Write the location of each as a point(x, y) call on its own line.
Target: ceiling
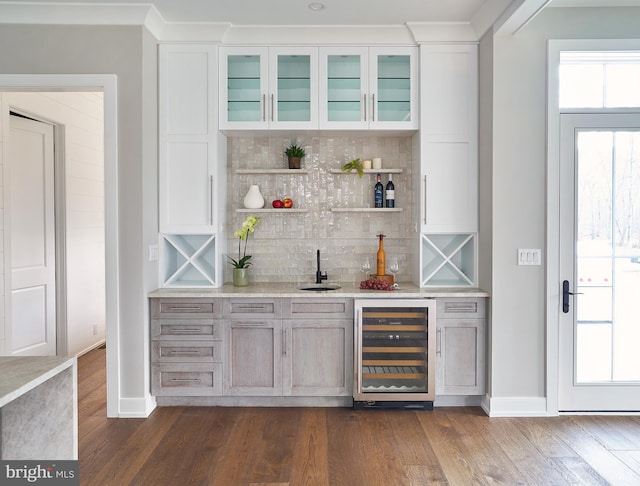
point(249, 21)
point(335, 12)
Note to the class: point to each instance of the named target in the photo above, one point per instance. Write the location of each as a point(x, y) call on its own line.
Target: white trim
point(108, 84)
point(137, 407)
point(515, 406)
point(552, 263)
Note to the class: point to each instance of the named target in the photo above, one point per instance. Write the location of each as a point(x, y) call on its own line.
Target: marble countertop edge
point(21, 374)
point(289, 289)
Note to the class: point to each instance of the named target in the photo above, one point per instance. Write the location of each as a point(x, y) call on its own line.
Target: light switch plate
point(154, 251)
point(529, 256)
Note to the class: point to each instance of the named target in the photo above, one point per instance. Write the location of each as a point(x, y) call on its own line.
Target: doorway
point(599, 262)
point(108, 85)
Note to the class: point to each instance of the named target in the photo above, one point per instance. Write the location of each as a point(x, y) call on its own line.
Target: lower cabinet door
point(460, 357)
point(317, 357)
point(188, 379)
point(252, 357)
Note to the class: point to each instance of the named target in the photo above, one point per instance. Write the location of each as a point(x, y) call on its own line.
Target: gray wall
point(517, 182)
point(129, 53)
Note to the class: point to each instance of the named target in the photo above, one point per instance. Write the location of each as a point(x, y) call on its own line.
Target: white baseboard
point(515, 406)
point(457, 401)
point(136, 407)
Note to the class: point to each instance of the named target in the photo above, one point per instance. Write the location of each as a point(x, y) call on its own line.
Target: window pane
point(622, 82)
point(581, 85)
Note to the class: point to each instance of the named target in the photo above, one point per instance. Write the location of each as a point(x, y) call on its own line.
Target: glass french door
point(599, 337)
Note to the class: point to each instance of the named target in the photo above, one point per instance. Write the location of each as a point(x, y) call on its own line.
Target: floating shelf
point(366, 210)
point(273, 171)
point(272, 210)
point(368, 171)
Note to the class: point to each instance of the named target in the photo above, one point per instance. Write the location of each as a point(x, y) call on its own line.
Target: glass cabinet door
point(344, 88)
point(394, 87)
point(245, 102)
point(293, 87)
point(393, 101)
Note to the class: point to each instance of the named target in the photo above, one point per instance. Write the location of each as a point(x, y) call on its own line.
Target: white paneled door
point(599, 263)
point(32, 230)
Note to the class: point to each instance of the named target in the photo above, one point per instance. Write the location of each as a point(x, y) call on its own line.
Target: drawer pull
point(180, 307)
point(180, 330)
point(185, 380)
point(453, 307)
point(186, 352)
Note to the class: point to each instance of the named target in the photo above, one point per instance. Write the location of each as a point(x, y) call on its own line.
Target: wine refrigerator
point(394, 355)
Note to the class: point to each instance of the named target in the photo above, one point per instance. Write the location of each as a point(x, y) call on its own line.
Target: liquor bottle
point(389, 194)
point(378, 193)
point(381, 267)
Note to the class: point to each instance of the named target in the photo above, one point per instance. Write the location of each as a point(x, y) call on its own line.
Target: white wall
point(129, 53)
point(517, 182)
point(81, 114)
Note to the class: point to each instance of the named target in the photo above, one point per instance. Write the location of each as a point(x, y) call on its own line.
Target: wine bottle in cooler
point(390, 194)
point(378, 194)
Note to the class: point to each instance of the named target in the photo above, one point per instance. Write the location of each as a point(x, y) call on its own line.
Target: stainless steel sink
point(318, 287)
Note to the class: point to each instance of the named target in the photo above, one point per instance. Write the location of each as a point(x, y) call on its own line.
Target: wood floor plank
point(454, 458)
point(347, 458)
point(242, 449)
point(529, 462)
point(123, 466)
point(278, 438)
point(492, 461)
point(385, 468)
point(577, 471)
point(310, 463)
point(605, 463)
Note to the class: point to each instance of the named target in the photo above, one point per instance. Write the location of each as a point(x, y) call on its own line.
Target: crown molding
point(426, 32)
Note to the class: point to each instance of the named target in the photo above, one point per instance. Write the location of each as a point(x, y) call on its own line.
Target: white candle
point(377, 163)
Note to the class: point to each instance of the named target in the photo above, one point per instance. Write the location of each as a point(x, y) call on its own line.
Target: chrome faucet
point(319, 276)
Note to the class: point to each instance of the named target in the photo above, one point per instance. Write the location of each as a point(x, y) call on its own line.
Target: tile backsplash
point(284, 245)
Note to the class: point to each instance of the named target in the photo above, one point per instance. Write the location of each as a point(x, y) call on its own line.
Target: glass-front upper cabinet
point(364, 88)
point(268, 88)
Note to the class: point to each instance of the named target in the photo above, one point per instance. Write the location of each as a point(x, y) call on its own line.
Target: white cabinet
point(460, 346)
point(449, 138)
point(191, 150)
point(268, 88)
point(368, 88)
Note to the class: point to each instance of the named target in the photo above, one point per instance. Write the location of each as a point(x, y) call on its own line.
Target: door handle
point(565, 296)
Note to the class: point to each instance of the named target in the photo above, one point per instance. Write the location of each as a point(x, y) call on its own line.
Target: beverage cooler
point(394, 355)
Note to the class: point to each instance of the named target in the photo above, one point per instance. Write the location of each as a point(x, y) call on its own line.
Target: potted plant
point(241, 265)
point(353, 164)
point(294, 153)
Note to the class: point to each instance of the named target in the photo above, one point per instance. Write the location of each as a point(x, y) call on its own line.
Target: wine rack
point(189, 260)
point(394, 359)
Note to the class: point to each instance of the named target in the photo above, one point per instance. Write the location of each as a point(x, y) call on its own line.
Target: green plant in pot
point(354, 164)
point(241, 265)
point(294, 154)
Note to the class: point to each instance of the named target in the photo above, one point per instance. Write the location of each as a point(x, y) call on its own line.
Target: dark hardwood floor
point(337, 446)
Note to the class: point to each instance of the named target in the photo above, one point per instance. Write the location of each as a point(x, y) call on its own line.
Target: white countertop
point(20, 374)
point(288, 289)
